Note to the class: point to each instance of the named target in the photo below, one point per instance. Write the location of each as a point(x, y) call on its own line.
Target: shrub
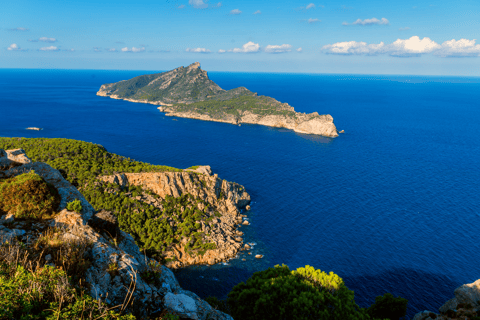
point(28, 196)
point(278, 293)
point(29, 290)
point(75, 205)
point(388, 307)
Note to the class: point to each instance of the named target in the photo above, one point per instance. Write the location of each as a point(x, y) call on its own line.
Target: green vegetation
point(388, 307)
point(236, 105)
point(31, 290)
point(155, 230)
point(28, 196)
point(75, 205)
point(172, 86)
point(306, 293)
point(278, 293)
point(193, 91)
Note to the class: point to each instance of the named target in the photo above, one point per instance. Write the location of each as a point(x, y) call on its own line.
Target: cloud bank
point(198, 4)
point(51, 48)
point(412, 47)
point(278, 49)
point(249, 47)
point(18, 29)
point(369, 22)
point(133, 49)
point(14, 47)
point(198, 50)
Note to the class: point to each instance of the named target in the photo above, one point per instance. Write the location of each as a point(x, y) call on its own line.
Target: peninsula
point(187, 92)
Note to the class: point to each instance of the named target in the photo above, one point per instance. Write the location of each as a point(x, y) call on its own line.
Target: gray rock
point(105, 221)
point(8, 218)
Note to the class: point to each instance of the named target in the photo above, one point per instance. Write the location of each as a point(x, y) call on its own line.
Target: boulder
point(105, 221)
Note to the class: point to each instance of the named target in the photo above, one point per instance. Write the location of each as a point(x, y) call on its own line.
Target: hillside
point(187, 92)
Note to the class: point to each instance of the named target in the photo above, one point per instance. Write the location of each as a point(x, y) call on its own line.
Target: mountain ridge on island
point(187, 92)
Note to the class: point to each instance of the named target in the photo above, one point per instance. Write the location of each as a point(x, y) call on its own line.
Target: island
point(187, 92)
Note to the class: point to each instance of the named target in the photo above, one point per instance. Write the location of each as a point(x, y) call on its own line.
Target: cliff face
point(189, 93)
point(465, 305)
point(223, 197)
point(127, 283)
point(303, 123)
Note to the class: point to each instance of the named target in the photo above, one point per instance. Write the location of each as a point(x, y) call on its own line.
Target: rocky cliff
point(189, 93)
point(117, 268)
point(302, 123)
point(222, 197)
point(465, 305)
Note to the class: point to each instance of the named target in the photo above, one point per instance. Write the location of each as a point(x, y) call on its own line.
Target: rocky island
point(187, 92)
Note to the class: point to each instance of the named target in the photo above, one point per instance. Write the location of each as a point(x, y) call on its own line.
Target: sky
point(414, 37)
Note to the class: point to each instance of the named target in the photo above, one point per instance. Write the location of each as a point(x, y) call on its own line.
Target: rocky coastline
point(151, 298)
point(226, 198)
point(303, 123)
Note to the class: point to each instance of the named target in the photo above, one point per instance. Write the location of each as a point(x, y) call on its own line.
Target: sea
point(391, 205)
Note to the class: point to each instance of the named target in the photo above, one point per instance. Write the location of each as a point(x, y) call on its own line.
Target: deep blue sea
point(392, 205)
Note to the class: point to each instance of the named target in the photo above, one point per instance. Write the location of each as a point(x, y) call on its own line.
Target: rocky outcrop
point(302, 123)
point(66, 191)
point(113, 248)
point(465, 305)
point(226, 198)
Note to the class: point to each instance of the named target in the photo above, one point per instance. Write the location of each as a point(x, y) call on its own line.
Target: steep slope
point(117, 272)
point(180, 85)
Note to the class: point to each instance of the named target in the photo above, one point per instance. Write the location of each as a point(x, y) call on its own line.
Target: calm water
point(392, 205)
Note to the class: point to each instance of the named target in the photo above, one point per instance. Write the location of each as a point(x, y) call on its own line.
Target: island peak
point(188, 92)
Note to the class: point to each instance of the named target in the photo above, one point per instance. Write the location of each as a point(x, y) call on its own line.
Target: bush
point(75, 205)
point(29, 290)
point(388, 307)
point(278, 293)
point(28, 196)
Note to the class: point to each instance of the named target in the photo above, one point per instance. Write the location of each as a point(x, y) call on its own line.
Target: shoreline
point(322, 125)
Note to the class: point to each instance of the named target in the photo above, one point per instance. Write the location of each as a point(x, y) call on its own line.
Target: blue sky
point(366, 37)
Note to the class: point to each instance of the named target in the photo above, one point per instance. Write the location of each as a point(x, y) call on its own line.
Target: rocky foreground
point(187, 92)
point(464, 306)
point(94, 228)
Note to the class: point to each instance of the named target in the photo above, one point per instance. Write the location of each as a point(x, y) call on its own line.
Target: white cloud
point(45, 39)
point(344, 23)
point(199, 4)
point(311, 20)
point(353, 47)
point(278, 49)
point(299, 49)
point(133, 49)
point(460, 48)
point(198, 50)
point(18, 29)
point(97, 49)
point(14, 47)
point(51, 48)
point(112, 50)
point(413, 46)
point(258, 12)
point(369, 22)
point(235, 11)
point(403, 29)
point(221, 51)
point(310, 6)
point(219, 4)
point(248, 47)
point(181, 6)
